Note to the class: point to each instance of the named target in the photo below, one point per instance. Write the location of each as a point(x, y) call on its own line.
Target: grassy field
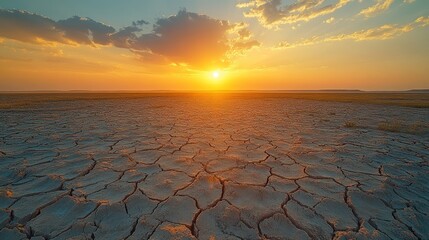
point(24, 100)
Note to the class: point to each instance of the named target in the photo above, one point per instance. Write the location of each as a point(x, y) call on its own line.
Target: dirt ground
point(213, 166)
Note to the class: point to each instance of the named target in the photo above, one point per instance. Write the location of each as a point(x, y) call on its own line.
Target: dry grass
point(403, 127)
point(391, 126)
point(395, 126)
point(350, 124)
point(416, 100)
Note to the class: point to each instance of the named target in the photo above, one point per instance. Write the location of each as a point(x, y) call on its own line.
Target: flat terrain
point(405, 99)
point(213, 166)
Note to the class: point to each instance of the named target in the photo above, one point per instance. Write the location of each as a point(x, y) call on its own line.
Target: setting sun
point(215, 74)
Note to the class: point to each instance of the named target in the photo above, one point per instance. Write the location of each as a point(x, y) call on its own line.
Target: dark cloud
point(85, 30)
point(186, 38)
point(124, 38)
point(140, 23)
point(28, 27)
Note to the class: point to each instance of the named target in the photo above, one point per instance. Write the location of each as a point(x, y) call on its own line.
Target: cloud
point(125, 37)
point(184, 39)
point(140, 23)
point(380, 33)
point(379, 6)
point(272, 13)
point(85, 31)
point(28, 27)
point(190, 38)
point(329, 20)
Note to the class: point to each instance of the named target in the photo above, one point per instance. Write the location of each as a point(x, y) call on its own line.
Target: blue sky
point(122, 13)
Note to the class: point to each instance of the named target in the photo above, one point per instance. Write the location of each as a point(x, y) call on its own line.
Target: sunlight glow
point(216, 79)
point(216, 74)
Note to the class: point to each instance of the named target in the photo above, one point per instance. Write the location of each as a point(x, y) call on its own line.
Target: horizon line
point(423, 90)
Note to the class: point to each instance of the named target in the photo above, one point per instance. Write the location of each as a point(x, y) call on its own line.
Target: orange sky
point(352, 45)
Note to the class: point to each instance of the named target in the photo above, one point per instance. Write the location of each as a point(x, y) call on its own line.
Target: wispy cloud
point(380, 33)
point(329, 20)
point(272, 13)
point(186, 38)
point(379, 6)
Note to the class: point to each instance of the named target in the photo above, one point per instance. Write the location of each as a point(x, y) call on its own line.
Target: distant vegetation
point(393, 126)
point(400, 126)
point(405, 99)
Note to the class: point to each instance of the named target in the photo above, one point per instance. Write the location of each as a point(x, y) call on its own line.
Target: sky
point(205, 45)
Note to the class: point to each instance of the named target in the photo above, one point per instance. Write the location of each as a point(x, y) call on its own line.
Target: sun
point(216, 77)
point(215, 74)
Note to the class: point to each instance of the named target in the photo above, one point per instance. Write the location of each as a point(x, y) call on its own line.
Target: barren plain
point(213, 166)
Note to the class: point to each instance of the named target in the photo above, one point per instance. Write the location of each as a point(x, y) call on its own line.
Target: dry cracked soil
point(211, 167)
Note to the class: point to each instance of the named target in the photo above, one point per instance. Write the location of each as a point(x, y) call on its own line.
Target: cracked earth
point(211, 168)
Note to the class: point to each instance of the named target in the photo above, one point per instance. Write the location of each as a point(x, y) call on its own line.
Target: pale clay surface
point(211, 168)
